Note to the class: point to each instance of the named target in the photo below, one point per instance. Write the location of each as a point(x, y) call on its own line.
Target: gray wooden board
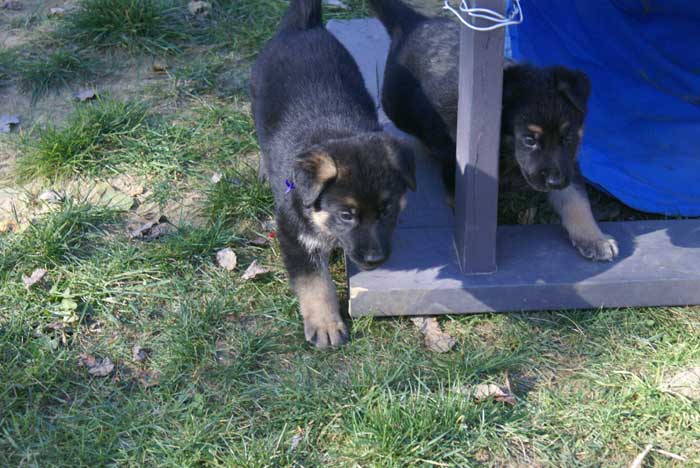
point(538, 269)
point(659, 264)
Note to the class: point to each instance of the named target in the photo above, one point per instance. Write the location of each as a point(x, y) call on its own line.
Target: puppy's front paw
point(323, 332)
point(602, 249)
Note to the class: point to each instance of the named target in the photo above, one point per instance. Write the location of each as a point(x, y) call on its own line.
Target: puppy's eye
point(530, 141)
point(347, 215)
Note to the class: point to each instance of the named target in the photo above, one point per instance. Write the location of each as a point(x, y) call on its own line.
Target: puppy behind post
point(337, 179)
point(542, 121)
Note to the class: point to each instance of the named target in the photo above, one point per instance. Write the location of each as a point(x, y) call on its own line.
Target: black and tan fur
point(318, 129)
point(542, 120)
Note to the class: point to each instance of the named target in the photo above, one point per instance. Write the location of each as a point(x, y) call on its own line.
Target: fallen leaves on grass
point(259, 241)
point(96, 366)
point(435, 339)
point(149, 379)
point(199, 8)
point(227, 258)
point(254, 270)
point(57, 11)
point(50, 196)
point(138, 354)
point(67, 308)
point(492, 391)
point(36, 276)
point(685, 383)
point(296, 439)
point(8, 122)
point(85, 94)
point(159, 67)
point(149, 230)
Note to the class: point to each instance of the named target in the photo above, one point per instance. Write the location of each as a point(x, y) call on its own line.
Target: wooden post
point(478, 137)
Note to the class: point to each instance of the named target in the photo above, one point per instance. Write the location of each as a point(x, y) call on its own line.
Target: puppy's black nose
point(374, 257)
point(554, 180)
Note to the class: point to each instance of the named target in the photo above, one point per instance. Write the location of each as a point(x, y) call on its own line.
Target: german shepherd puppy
point(337, 179)
point(542, 120)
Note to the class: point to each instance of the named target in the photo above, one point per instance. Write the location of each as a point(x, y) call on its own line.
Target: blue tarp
point(642, 139)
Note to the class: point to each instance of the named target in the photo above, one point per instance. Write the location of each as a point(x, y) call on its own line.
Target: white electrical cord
point(499, 20)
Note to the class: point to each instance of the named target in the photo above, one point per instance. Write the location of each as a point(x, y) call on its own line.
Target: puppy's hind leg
point(573, 206)
point(318, 301)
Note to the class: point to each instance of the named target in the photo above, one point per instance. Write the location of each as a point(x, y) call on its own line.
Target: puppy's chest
point(317, 242)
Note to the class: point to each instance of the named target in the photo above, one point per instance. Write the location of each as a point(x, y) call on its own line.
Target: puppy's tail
point(397, 17)
point(302, 15)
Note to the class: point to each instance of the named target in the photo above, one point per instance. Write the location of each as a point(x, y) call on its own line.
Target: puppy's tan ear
point(313, 171)
point(402, 158)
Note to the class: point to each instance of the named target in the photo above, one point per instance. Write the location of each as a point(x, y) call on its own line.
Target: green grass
point(154, 26)
point(87, 141)
point(41, 70)
point(234, 384)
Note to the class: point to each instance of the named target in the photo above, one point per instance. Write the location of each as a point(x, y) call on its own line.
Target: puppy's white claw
point(324, 334)
point(604, 249)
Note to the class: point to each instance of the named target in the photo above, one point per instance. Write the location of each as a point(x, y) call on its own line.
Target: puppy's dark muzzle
point(369, 261)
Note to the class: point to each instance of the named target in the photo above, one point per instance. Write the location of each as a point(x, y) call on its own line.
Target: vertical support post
point(478, 138)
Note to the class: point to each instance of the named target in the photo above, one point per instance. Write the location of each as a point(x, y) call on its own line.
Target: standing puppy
point(542, 122)
point(337, 179)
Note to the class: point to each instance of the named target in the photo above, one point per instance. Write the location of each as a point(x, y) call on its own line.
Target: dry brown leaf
point(97, 367)
point(12, 5)
point(102, 368)
point(159, 67)
point(138, 354)
point(8, 122)
point(639, 460)
point(8, 225)
point(254, 270)
point(36, 276)
point(259, 241)
point(149, 379)
point(199, 8)
point(88, 360)
point(85, 94)
point(50, 196)
point(527, 216)
point(685, 383)
point(435, 339)
point(150, 230)
point(296, 439)
point(226, 258)
point(492, 391)
point(56, 325)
